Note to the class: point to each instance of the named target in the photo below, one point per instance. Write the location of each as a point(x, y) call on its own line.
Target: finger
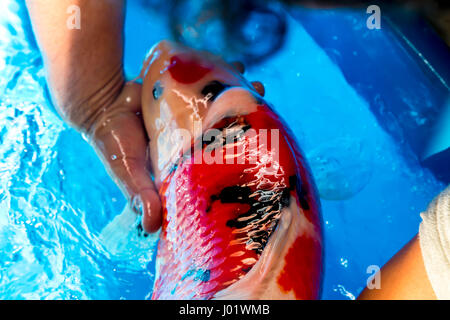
point(122, 142)
point(151, 220)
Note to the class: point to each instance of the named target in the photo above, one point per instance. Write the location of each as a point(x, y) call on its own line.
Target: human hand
point(119, 137)
point(85, 77)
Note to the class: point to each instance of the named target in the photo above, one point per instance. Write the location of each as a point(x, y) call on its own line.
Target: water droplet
point(85, 137)
point(136, 205)
point(341, 289)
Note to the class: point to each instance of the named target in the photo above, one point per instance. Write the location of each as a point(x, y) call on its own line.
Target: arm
point(81, 62)
point(86, 80)
point(403, 278)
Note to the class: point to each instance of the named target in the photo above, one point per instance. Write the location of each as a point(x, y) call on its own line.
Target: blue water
point(55, 195)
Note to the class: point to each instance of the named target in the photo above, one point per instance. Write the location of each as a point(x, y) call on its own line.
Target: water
point(56, 197)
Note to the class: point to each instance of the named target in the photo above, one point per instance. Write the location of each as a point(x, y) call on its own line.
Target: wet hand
point(120, 138)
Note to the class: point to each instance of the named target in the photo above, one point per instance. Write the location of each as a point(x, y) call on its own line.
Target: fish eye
point(213, 89)
point(157, 90)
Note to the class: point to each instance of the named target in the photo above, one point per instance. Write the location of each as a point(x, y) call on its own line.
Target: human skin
point(403, 277)
point(87, 85)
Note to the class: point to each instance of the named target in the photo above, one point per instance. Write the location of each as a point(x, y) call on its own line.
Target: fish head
point(243, 229)
point(185, 92)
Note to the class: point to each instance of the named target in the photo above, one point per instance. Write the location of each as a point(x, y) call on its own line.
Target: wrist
point(84, 111)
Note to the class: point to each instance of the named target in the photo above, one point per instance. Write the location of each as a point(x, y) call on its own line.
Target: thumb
point(151, 205)
point(122, 142)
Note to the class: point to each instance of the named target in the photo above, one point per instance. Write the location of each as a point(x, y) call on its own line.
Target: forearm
point(84, 66)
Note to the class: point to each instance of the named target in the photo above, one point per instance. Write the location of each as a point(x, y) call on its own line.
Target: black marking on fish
point(235, 194)
point(212, 90)
point(229, 133)
point(235, 127)
point(285, 198)
point(263, 215)
point(265, 209)
point(246, 270)
point(296, 183)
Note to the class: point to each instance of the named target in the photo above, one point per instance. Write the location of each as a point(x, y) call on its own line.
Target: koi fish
point(241, 216)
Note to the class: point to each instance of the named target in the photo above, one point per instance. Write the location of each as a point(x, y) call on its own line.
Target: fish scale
point(200, 252)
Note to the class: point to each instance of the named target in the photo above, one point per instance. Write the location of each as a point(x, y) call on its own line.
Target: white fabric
point(434, 236)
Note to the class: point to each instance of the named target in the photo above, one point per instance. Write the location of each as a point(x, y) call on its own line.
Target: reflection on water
point(341, 167)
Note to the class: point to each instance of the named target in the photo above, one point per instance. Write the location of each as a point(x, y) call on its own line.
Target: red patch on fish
point(218, 217)
point(301, 273)
point(185, 69)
